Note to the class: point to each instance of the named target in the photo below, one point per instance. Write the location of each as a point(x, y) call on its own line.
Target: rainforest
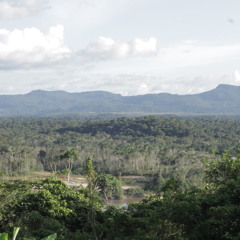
point(58, 175)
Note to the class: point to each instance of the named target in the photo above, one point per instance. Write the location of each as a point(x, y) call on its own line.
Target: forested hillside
point(224, 99)
point(145, 145)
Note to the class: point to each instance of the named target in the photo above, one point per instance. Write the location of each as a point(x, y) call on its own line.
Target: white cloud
point(107, 49)
point(20, 8)
point(143, 89)
point(237, 76)
point(30, 47)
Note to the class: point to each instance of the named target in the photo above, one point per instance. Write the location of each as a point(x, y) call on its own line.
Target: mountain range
point(224, 100)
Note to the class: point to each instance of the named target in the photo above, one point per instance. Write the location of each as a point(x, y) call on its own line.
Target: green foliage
point(134, 192)
point(91, 177)
point(69, 154)
point(68, 158)
point(43, 207)
point(155, 184)
point(207, 213)
point(4, 236)
point(90, 172)
point(109, 186)
point(123, 146)
point(228, 167)
point(15, 232)
point(51, 237)
point(171, 185)
point(168, 151)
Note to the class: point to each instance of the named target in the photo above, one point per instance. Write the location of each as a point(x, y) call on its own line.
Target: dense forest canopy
point(168, 146)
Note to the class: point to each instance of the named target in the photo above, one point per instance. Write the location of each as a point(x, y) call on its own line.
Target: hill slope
point(222, 100)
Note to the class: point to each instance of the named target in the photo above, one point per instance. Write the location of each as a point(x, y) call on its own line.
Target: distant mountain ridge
point(224, 99)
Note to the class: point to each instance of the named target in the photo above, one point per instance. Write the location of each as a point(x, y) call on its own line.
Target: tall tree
point(68, 158)
point(91, 177)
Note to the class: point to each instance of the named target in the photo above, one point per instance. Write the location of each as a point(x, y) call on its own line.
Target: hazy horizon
point(35, 90)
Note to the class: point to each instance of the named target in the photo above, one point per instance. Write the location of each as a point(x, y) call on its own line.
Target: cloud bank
point(108, 49)
point(21, 8)
point(30, 46)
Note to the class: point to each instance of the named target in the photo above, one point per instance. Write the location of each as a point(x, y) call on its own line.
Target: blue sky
point(129, 47)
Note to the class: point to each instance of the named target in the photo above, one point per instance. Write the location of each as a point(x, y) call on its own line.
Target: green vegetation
point(4, 236)
point(182, 161)
point(41, 208)
point(109, 186)
point(208, 212)
point(134, 192)
point(149, 146)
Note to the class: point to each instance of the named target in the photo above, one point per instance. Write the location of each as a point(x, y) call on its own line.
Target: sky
point(127, 47)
